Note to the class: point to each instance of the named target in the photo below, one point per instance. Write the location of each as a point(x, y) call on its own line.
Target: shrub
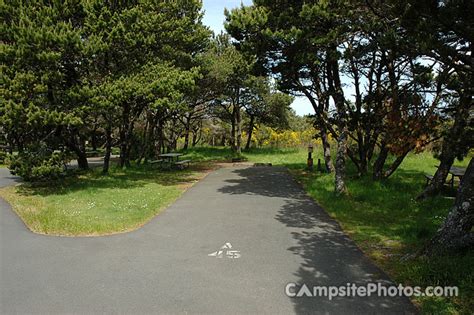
point(38, 164)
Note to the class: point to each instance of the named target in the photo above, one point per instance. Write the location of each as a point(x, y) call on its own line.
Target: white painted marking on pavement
point(232, 254)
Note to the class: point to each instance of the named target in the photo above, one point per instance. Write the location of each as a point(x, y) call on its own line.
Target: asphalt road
point(277, 234)
point(7, 179)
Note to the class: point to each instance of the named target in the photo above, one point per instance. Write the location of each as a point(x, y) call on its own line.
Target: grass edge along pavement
point(90, 204)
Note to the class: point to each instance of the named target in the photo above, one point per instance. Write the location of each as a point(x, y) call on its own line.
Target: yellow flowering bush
point(265, 136)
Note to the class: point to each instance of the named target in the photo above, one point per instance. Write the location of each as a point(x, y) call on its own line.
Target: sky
point(214, 18)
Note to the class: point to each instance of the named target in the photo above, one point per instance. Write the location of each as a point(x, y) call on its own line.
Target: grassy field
point(92, 204)
point(385, 220)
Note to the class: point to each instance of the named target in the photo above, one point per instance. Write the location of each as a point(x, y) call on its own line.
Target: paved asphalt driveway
point(7, 179)
point(277, 234)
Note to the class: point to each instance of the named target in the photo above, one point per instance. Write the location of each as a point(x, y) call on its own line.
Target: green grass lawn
point(385, 220)
point(92, 204)
point(292, 158)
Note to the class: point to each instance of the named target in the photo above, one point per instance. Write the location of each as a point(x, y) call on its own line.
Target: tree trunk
point(340, 185)
point(125, 133)
point(362, 148)
point(82, 162)
point(337, 93)
point(124, 157)
point(108, 149)
point(151, 140)
point(396, 163)
point(238, 123)
point(456, 232)
point(196, 138)
point(145, 145)
point(249, 132)
point(187, 132)
point(79, 150)
point(186, 139)
point(161, 137)
point(448, 149)
point(380, 162)
point(232, 132)
point(326, 150)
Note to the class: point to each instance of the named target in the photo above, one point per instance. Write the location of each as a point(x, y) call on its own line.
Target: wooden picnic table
point(456, 171)
point(172, 159)
point(170, 156)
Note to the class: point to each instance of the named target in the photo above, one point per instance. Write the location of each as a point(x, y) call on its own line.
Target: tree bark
point(448, 149)
point(80, 152)
point(232, 131)
point(249, 132)
point(238, 123)
point(197, 137)
point(362, 149)
point(148, 148)
point(124, 137)
point(187, 131)
point(124, 157)
point(82, 162)
point(380, 162)
point(326, 150)
point(396, 163)
point(161, 137)
point(340, 185)
point(337, 93)
point(108, 149)
point(145, 144)
point(456, 232)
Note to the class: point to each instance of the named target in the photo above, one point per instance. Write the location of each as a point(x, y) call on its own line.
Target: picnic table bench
point(428, 178)
point(455, 171)
point(155, 162)
point(172, 159)
point(182, 164)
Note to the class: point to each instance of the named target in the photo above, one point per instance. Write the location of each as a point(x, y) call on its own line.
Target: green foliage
point(264, 104)
point(392, 98)
point(69, 66)
point(38, 163)
point(443, 271)
point(228, 68)
point(42, 86)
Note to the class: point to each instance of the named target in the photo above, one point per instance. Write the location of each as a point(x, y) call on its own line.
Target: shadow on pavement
point(329, 257)
point(7, 179)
